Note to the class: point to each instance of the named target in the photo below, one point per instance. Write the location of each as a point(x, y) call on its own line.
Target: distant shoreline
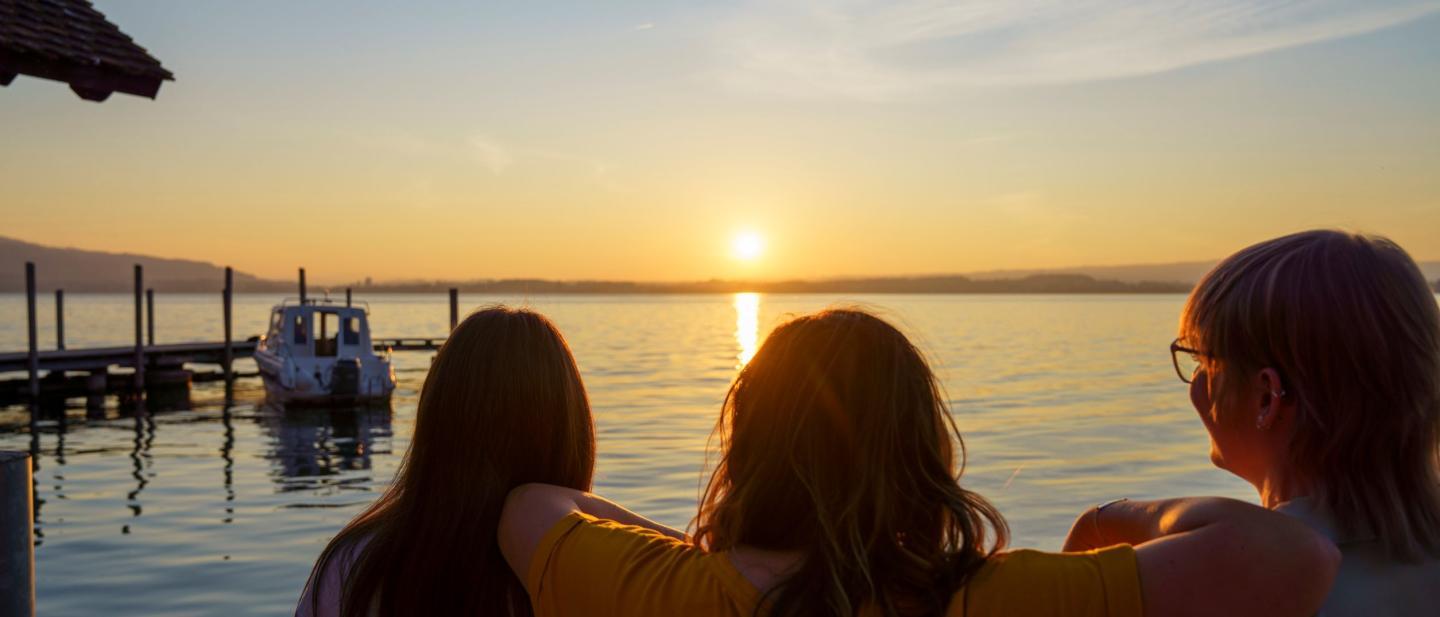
point(1062, 284)
point(84, 271)
point(930, 285)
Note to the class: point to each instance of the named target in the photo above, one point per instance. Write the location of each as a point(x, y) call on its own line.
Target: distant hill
point(1188, 272)
point(79, 270)
point(1179, 272)
point(95, 271)
point(1038, 283)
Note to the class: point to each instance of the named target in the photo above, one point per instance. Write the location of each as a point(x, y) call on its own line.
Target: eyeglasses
point(1187, 361)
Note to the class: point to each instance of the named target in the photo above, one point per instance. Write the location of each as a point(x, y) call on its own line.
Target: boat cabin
point(320, 330)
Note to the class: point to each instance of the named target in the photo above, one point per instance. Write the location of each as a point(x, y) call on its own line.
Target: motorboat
point(317, 351)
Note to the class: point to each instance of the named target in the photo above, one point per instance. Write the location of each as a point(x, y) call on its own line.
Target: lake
point(221, 509)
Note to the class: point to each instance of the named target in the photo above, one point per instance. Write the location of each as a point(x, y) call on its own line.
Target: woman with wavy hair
point(838, 494)
point(1313, 361)
point(502, 405)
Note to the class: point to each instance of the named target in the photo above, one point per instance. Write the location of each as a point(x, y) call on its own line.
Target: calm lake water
point(220, 509)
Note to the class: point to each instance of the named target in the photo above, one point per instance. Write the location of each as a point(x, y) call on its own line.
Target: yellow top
point(588, 566)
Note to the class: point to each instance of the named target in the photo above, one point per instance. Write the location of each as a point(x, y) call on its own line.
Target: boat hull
point(309, 381)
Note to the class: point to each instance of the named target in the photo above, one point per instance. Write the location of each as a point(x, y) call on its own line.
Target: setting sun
point(747, 246)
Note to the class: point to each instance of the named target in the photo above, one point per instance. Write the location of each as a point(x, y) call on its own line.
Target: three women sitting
point(838, 489)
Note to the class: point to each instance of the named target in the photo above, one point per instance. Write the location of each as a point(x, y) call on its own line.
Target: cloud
point(894, 48)
point(645, 26)
point(490, 154)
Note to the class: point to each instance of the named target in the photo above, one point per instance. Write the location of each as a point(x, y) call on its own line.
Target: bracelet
point(1095, 518)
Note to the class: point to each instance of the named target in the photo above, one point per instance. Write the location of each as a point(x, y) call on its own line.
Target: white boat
point(319, 352)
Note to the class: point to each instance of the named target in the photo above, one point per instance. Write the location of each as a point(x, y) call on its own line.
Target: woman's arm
point(1215, 556)
point(532, 509)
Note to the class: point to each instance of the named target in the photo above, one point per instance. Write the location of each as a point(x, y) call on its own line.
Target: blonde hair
point(1352, 327)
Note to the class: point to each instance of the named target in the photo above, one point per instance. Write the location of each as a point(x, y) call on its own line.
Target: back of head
point(502, 405)
point(1353, 330)
point(837, 445)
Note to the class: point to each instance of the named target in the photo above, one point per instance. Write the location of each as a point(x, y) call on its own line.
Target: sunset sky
point(655, 141)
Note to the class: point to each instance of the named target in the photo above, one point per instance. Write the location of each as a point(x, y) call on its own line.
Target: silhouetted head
point(837, 444)
point(1319, 356)
point(502, 405)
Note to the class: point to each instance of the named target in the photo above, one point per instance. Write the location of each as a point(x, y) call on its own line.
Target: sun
point(747, 246)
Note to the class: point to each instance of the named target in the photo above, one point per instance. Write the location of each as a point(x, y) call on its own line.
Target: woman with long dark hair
point(838, 494)
point(502, 405)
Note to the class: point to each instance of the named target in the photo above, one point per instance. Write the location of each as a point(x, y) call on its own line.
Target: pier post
point(97, 383)
point(302, 286)
point(454, 308)
point(139, 330)
point(32, 359)
point(347, 297)
point(150, 317)
point(60, 319)
point(227, 297)
point(17, 545)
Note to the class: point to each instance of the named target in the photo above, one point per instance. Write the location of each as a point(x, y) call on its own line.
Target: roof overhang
point(92, 83)
point(70, 41)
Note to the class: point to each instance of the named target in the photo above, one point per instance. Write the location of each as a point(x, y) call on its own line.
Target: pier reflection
point(36, 497)
point(140, 461)
point(325, 451)
point(227, 454)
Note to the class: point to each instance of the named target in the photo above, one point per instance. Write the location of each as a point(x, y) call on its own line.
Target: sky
point(644, 140)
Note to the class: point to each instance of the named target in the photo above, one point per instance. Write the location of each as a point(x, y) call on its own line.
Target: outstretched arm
point(532, 509)
point(1215, 556)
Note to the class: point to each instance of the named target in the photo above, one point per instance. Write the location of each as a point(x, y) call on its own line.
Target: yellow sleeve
point(589, 566)
point(1026, 583)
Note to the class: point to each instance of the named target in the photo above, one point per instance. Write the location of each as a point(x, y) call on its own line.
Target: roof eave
point(92, 83)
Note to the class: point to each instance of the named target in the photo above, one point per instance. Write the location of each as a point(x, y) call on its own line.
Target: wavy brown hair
point(502, 405)
point(837, 444)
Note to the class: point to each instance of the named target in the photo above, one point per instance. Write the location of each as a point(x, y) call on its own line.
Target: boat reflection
point(319, 448)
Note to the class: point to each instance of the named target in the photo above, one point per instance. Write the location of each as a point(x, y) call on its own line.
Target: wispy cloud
point(491, 154)
point(645, 26)
point(890, 48)
point(498, 157)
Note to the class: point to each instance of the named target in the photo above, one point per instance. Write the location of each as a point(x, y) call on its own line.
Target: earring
point(1260, 418)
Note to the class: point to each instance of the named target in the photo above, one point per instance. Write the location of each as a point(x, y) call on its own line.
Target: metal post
point(139, 329)
point(302, 286)
point(17, 546)
point(227, 297)
point(33, 357)
point(347, 297)
point(454, 308)
point(60, 319)
point(150, 317)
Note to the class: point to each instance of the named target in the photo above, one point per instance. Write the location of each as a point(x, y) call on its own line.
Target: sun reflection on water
point(747, 327)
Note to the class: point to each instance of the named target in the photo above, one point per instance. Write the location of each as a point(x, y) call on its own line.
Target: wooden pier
point(149, 365)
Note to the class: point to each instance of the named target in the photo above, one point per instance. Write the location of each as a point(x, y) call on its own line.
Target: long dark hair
point(836, 443)
point(502, 405)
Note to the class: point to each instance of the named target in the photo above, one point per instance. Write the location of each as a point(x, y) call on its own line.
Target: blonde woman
point(1314, 362)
